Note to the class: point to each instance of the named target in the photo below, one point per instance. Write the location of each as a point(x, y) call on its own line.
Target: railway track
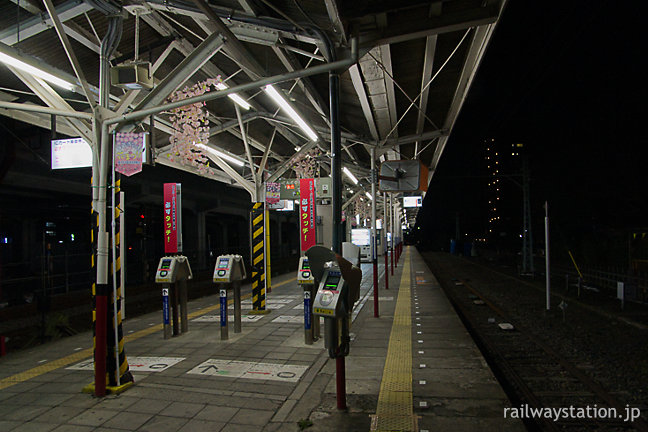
point(534, 374)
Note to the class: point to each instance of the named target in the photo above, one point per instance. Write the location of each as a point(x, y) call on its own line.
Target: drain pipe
point(99, 179)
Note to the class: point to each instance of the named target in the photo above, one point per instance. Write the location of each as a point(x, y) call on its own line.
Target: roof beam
point(233, 46)
point(473, 59)
point(29, 5)
point(358, 84)
point(428, 65)
point(385, 54)
point(41, 22)
point(185, 70)
point(334, 16)
point(232, 23)
point(291, 64)
point(69, 51)
point(52, 99)
point(402, 30)
point(250, 7)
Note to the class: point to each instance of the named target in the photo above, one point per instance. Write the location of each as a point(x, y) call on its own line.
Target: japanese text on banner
point(170, 220)
point(307, 213)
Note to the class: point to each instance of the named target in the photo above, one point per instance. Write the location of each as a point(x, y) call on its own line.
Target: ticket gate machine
point(229, 271)
point(173, 273)
point(338, 290)
point(307, 281)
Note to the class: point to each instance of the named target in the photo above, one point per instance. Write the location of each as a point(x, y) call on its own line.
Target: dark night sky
point(567, 79)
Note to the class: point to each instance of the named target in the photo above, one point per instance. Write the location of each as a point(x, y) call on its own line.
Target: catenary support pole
point(547, 269)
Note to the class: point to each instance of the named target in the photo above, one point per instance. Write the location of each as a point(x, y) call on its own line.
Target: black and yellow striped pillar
point(112, 383)
point(258, 269)
point(125, 377)
point(94, 225)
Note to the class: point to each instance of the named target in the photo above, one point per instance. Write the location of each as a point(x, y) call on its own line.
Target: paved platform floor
point(264, 378)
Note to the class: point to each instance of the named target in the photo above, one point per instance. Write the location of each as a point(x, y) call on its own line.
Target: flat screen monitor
point(361, 237)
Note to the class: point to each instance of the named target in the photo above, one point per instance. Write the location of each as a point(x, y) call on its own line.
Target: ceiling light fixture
point(369, 196)
point(221, 155)
point(350, 175)
point(9, 58)
point(235, 97)
point(283, 103)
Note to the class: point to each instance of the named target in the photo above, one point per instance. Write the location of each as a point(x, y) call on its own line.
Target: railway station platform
point(413, 368)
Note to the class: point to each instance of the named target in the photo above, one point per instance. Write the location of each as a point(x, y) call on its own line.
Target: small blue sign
point(307, 314)
point(165, 306)
point(223, 308)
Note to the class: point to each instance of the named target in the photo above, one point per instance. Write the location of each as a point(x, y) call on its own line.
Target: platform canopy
point(416, 61)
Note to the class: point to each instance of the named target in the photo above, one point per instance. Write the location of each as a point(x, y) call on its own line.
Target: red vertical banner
point(170, 218)
point(307, 213)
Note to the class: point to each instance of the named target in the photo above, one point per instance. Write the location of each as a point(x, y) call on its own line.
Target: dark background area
point(568, 82)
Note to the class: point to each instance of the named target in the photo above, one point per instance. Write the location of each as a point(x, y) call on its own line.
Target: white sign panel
point(136, 364)
point(230, 318)
point(412, 201)
point(249, 370)
point(361, 237)
point(71, 153)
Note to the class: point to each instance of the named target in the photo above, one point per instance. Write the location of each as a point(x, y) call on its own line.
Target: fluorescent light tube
point(279, 99)
point(221, 155)
point(25, 67)
point(369, 196)
point(236, 98)
point(350, 175)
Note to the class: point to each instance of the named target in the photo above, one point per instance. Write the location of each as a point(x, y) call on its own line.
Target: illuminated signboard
point(71, 153)
point(76, 153)
point(361, 237)
point(412, 201)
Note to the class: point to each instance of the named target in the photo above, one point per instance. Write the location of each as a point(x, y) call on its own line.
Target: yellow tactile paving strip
point(395, 410)
point(84, 354)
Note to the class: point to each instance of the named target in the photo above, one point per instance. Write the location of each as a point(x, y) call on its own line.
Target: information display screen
point(223, 263)
point(361, 237)
point(305, 265)
point(332, 282)
point(166, 264)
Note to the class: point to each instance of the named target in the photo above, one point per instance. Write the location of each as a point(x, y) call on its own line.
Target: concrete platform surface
point(264, 378)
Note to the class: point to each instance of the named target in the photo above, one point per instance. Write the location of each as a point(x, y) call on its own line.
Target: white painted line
point(289, 319)
point(230, 318)
point(249, 370)
point(421, 352)
point(385, 298)
point(422, 366)
point(43, 361)
point(418, 324)
point(136, 364)
point(78, 349)
point(420, 341)
point(419, 332)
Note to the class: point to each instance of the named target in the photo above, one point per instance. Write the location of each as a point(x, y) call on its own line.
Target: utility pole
point(527, 233)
